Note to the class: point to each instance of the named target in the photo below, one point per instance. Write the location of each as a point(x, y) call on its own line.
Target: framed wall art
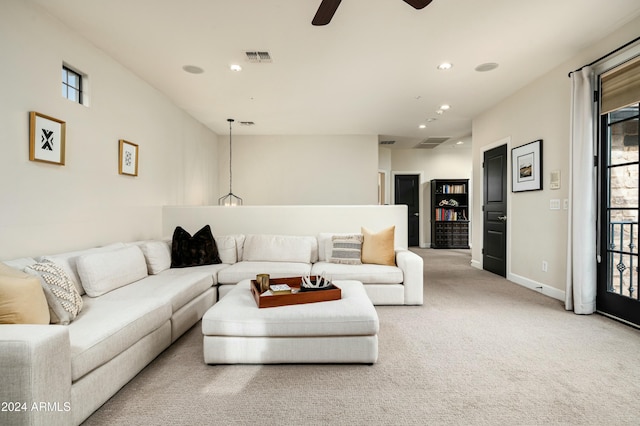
point(46, 138)
point(128, 158)
point(526, 166)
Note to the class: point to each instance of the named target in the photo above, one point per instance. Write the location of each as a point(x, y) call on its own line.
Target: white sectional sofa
point(60, 374)
point(134, 315)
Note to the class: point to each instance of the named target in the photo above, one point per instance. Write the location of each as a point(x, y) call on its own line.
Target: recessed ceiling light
point(445, 66)
point(445, 107)
point(489, 66)
point(459, 143)
point(235, 67)
point(439, 112)
point(192, 69)
point(422, 126)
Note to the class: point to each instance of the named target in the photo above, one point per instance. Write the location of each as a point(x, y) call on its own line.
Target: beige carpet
point(481, 351)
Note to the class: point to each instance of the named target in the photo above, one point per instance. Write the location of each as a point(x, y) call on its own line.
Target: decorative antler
point(321, 282)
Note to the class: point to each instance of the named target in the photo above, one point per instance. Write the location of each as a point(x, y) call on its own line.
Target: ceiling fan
point(328, 8)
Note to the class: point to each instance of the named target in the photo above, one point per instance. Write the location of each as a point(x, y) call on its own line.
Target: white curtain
point(581, 249)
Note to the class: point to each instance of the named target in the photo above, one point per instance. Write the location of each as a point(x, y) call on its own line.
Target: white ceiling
point(372, 70)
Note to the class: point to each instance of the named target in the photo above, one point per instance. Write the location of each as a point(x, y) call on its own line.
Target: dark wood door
point(407, 191)
point(494, 253)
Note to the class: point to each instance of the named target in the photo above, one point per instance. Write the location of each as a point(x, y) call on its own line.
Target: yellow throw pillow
point(22, 299)
point(379, 247)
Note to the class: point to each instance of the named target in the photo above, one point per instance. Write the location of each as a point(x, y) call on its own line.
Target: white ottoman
point(236, 331)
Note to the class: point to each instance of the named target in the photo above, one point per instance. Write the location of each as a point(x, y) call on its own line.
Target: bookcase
point(449, 213)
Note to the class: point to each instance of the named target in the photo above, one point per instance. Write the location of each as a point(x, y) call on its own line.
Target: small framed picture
point(46, 138)
point(128, 158)
point(526, 166)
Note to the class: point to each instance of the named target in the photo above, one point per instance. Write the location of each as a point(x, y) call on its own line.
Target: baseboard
point(536, 286)
point(476, 264)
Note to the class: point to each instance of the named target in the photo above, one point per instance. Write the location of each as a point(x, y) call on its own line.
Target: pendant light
point(230, 199)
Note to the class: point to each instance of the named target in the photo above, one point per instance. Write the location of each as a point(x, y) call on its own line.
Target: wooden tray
point(293, 298)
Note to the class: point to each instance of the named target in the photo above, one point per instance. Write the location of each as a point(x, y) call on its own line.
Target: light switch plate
point(554, 181)
point(554, 204)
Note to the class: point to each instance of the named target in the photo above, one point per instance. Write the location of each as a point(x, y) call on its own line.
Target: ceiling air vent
point(431, 143)
point(387, 142)
point(247, 123)
point(258, 57)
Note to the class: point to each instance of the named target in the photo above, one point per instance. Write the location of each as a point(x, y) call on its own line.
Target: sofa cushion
point(378, 247)
point(157, 255)
point(106, 271)
point(68, 261)
point(279, 248)
point(199, 249)
point(63, 298)
point(175, 287)
point(20, 263)
point(110, 324)
point(346, 249)
point(227, 248)
point(22, 299)
point(248, 270)
point(365, 273)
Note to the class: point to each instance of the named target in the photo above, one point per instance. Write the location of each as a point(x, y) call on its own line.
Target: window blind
point(620, 86)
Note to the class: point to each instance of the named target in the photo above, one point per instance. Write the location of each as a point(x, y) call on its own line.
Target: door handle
point(502, 218)
point(416, 214)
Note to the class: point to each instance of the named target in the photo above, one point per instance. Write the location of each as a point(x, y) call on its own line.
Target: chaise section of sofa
point(124, 326)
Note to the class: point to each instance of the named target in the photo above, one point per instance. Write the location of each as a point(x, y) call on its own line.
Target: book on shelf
point(450, 215)
point(454, 189)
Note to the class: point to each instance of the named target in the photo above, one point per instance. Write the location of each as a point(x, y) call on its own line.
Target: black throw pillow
point(198, 250)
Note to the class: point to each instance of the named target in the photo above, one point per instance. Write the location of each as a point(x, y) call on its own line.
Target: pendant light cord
point(230, 120)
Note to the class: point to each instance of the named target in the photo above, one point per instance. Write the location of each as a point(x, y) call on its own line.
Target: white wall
point(439, 163)
point(288, 220)
point(540, 110)
point(47, 208)
point(301, 170)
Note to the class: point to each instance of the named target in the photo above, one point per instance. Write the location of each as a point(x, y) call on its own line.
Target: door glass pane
point(624, 141)
point(623, 193)
point(624, 187)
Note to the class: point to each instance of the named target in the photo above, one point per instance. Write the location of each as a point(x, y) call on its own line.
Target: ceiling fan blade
point(325, 12)
point(418, 4)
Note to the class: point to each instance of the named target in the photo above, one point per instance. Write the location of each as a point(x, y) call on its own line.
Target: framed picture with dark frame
point(46, 138)
point(128, 158)
point(526, 167)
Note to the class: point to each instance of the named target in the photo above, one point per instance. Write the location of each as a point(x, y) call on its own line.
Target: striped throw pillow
point(346, 249)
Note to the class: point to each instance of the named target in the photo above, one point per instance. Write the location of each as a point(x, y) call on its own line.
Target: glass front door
point(618, 292)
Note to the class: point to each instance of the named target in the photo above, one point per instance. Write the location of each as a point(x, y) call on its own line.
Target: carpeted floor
point(480, 351)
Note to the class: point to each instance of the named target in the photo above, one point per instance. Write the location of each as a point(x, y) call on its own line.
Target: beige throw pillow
point(22, 300)
point(379, 247)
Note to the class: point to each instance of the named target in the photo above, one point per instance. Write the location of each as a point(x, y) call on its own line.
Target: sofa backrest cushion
point(107, 271)
point(68, 262)
point(279, 248)
point(227, 248)
point(157, 254)
point(22, 299)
